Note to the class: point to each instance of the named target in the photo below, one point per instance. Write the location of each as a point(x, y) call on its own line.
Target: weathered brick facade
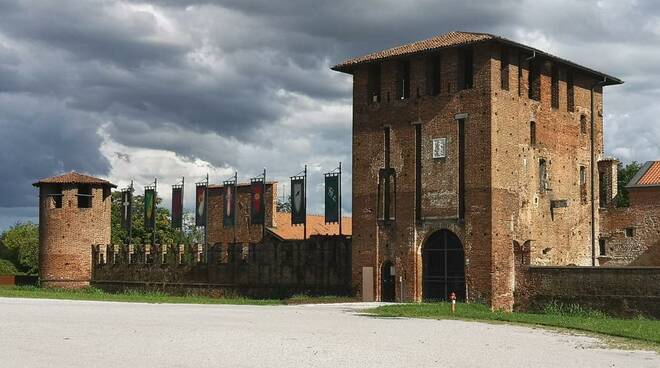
point(488, 193)
point(67, 231)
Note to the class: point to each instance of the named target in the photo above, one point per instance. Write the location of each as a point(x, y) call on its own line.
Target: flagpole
point(305, 207)
point(183, 190)
point(340, 218)
point(235, 203)
point(206, 219)
point(130, 219)
point(153, 221)
point(263, 208)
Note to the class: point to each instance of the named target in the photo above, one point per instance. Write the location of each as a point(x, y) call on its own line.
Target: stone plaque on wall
point(439, 147)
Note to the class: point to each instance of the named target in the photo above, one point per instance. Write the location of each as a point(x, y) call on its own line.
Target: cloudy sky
point(136, 90)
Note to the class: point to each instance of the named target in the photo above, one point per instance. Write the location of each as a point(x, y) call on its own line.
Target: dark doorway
point(387, 285)
point(443, 261)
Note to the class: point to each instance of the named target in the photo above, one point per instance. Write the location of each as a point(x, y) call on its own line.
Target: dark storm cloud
point(245, 84)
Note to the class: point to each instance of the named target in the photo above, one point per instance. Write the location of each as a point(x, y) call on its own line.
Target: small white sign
point(440, 148)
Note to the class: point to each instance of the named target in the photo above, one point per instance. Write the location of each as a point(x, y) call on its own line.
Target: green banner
point(149, 209)
point(332, 198)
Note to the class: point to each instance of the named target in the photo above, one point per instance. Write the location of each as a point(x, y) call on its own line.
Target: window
point(534, 79)
point(630, 232)
point(532, 133)
point(439, 148)
point(583, 184)
point(465, 68)
point(373, 84)
point(386, 184)
point(554, 98)
point(403, 80)
point(433, 79)
point(418, 173)
point(84, 196)
point(583, 124)
point(387, 194)
point(543, 176)
point(570, 92)
point(601, 247)
point(57, 197)
point(520, 73)
point(504, 68)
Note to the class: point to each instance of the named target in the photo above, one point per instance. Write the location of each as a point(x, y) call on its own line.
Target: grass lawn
point(158, 297)
point(572, 317)
point(129, 296)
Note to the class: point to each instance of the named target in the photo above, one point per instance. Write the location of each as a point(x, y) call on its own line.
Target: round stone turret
point(74, 213)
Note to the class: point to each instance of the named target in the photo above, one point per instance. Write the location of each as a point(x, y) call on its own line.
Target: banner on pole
point(126, 209)
point(200, 204)
point(149, 208)
point(177, 206)
point(229, 218)
point(298, 200)
point(331, 198)
point(257, 201)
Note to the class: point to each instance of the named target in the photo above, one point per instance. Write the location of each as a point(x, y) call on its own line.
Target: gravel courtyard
point(49, 333)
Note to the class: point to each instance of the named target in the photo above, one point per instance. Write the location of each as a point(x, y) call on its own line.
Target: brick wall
point(503, 200)
point(624, 291)
point(244, 231)
point(642, 247)
point(317, 266)
point(66, 234)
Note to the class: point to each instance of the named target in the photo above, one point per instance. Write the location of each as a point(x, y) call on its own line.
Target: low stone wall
point(623, 291)
point(320, 265)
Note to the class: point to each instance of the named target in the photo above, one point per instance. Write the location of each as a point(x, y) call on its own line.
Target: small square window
point(630, 232)
point(440, 148)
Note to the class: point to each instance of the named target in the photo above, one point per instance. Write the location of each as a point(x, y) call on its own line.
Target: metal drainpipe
point(593, 160)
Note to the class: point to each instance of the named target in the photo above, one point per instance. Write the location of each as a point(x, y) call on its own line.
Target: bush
point(7, 268)
point(20, 244)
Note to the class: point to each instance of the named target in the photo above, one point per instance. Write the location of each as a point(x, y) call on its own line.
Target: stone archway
point(443, 266)
point(387, 282)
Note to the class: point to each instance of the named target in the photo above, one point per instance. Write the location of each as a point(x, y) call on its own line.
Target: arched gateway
point(443, 260)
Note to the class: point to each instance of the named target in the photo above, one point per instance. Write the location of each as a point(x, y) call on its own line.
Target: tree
point(20, 245)
point(7, 268)
point(625, 174)
point(283, 206)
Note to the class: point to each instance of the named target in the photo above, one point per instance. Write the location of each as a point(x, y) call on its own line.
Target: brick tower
point(74, 213)
point(465, 146)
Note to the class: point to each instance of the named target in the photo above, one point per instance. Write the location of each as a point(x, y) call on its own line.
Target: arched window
point(532, 133)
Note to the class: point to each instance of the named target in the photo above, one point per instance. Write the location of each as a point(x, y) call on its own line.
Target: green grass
point(128, 296)
point(556, 315)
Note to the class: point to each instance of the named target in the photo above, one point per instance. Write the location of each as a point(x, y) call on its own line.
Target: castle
point(478, 169)
point(467, 146)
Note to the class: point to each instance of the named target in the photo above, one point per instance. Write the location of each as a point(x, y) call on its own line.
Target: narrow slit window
point(570, 91)
point(555, 86)
point(583, 184)
point(433, 79)
point(403, 80)
point(543, 176)
point(583, 124)
point(532, 133)
point(602, 247)
point(84, 196)
point(520, 73)
point(534, 77)
point(466, 68)
point(374, 84)
point(504, 68)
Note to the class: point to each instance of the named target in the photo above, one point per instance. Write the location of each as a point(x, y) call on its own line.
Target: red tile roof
point(74, 178)
point(315, 226)
point(445, 40)
point(453, 39)
point(652, 175)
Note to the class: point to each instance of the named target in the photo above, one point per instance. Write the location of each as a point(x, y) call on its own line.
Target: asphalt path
point(57, 333)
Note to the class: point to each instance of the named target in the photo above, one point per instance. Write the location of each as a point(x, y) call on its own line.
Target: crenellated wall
point(320, 265)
